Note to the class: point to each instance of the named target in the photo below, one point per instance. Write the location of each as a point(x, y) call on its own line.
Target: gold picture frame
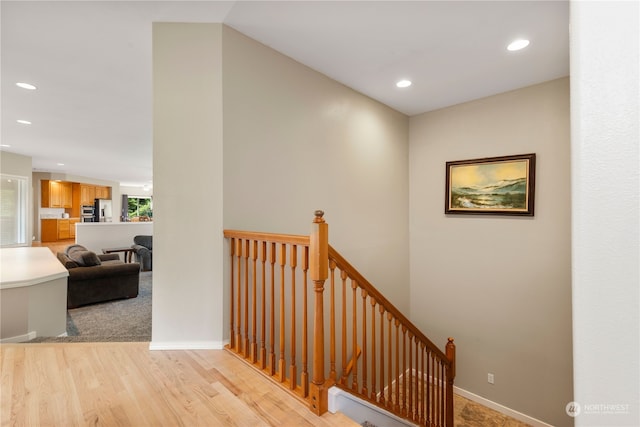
point(491, 186)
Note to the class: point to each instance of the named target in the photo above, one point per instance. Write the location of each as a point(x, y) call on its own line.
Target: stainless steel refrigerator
point(102, 211)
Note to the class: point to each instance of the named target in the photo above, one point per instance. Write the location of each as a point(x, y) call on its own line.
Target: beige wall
point(501, 286)
point(296, 141)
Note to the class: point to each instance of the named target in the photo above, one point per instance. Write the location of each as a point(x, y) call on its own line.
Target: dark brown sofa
point(97, 278)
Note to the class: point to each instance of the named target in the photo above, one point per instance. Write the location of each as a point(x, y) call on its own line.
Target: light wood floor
point(55, 247)
point(125, 384)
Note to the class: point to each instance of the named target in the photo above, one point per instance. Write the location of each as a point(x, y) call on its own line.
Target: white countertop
point(27, 266)
point(85, 224)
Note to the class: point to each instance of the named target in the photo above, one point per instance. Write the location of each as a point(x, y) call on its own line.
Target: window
point(13, 210)
point(140, 208)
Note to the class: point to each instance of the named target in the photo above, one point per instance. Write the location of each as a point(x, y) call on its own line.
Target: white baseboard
point(500, 408)
point(188, 345)
point(19, 338)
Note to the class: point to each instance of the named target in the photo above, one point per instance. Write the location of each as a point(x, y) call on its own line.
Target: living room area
point(123, 313)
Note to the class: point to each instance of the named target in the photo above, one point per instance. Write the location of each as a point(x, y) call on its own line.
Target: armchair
point(143, 248)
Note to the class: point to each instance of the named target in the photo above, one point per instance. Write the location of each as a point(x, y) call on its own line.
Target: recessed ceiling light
point(26, 86)
point(404, 83)
point(5, 145)
point(518, 44)
point(23, 122)
point(60, 164)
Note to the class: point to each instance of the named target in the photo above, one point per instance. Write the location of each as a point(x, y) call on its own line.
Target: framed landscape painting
point(491, 186)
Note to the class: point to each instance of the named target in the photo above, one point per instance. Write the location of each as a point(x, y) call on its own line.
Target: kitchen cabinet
point(102, 192)
point(63, 229)
point(53, 229)
point(72, 227)
point(66, 194)
point(56, 194)
point(87, 194)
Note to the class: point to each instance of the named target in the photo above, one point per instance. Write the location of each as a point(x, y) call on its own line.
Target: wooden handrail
point(393, 364)
point(294, 239)
point(380, 299)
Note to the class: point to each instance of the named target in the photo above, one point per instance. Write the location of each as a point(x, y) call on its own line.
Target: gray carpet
point(115, 321)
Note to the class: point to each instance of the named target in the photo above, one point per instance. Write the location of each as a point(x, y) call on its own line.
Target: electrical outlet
point(490, 378)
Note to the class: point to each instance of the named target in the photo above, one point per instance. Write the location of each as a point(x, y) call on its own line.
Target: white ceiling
point(91, 62)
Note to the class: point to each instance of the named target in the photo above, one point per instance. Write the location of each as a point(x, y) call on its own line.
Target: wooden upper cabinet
point(87, 194)
point(66, 194)
point(70, 195)
point(55, 194)
point(103, 192)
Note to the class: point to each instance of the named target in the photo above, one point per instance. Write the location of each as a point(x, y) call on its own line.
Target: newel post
point(450, 351)
point(319, 271)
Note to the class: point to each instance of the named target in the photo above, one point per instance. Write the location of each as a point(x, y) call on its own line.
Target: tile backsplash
point(51, 213)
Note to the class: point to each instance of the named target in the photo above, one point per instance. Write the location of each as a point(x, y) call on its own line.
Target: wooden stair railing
point(372, 350)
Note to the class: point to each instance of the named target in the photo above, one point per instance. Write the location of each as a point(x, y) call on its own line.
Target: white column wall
point(187, 165)
point(605, 116)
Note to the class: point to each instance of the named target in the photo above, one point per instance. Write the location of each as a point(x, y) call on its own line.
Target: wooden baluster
point(332, 322)
point(365, 350)
point(354, 338)
point(434, 390)
point(382, 399)
point(247, 254)
point(343, 380)
point(397, 402)
point(282, 363)
point(263, 336)
point(416, 407)
point(440, 390)
point(373, 349)
point(418, 383)
point(272, 320)
point(304, 377)
point(429, 396)
point(410, 379)
point(318, 263)
point(232, 244)
point(423, 385)
point(451, 374)
point(390, 362)
point(239, 302)
point(404, 372)
point(254, 341)
point(293, 372)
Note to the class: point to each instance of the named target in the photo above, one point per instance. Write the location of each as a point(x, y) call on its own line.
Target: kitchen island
point(33, 294)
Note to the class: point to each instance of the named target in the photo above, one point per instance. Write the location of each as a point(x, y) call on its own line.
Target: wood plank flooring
point(126, 384)
point(55, 247)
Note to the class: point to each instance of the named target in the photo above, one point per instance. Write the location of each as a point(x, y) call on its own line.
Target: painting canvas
point(496, 185)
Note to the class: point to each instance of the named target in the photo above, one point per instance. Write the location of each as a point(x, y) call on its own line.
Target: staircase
point(307, 319)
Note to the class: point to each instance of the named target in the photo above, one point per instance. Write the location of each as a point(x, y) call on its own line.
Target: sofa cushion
point(66, 261)
point(85, 258)
point(74, 248)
